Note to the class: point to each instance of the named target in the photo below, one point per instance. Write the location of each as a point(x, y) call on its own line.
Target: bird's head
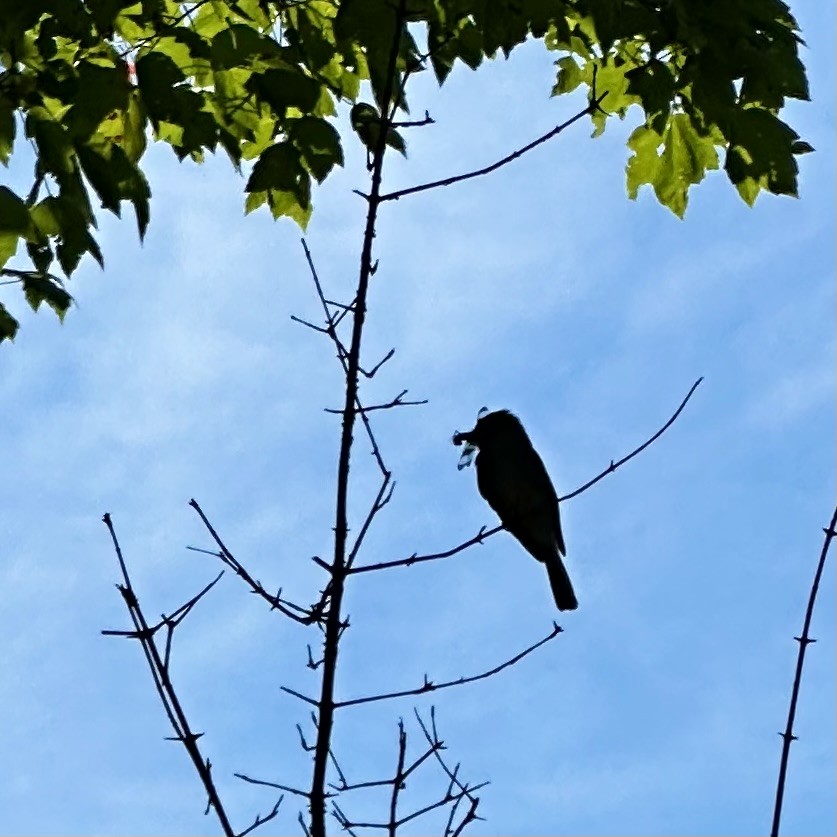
point(501, 424)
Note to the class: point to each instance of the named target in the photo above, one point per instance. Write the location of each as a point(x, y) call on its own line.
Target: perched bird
point(513, 480)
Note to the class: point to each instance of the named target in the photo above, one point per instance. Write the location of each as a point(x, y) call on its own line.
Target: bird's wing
point(519, 490)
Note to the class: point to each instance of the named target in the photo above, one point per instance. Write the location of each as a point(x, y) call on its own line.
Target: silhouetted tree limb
point(305, 616)
point(487, 533)
point(804, 640)
point(333, 625)
point(594, 104)
point(429, 686)
point(159, 666)
point(614, 465)
point(454, 793)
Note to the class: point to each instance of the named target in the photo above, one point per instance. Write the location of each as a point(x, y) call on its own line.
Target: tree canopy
point(87, 82)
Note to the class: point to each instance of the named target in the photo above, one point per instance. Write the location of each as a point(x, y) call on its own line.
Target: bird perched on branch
point(513, 480)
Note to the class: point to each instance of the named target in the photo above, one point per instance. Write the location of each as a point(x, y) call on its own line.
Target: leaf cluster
point(88, 82)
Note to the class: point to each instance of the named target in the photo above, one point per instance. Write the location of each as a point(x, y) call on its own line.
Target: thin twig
point(438, 745)
point(429, 686)
point(299, 695)
point(445, 800)
point(470, 816)
point(398, 401)
point(266, 784)
point(261, 820)
point(377, 366)
point(487, 533)
point(334, 626)
point(449, 181)
point(305, 616)
point(416, 123)
point(163, 684)
point(804, 641)
point(398, 783)
point(404, 772)
point(383, 497)
point(312, 326)
point(170, 621)
point(398, 779)
point(342, 354)
point(304, 825)
point(417, 559)
point(342, 819)
point(614, 465)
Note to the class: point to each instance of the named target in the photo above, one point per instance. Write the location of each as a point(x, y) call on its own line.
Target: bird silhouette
point(513, 480)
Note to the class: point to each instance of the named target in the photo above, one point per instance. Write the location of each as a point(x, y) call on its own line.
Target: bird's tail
point(562, 588)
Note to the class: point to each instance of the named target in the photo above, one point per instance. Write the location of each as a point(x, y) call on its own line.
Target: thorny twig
point(334, 625)
point(804, 641)
point(455, 792)
point(429, 685)
point(305, 616)
point(487, 533)
point(159, 665)
point(593, 105)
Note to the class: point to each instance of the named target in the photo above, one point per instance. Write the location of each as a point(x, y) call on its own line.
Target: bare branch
point(337, 767)
point(449, 181)
point(417, 559)
point(342, 355)
point(429, 686)
point(344, 786)
point(470, 816)
point(438, 745)
point(445, 800)
point(453, 795)
point(299, 695)
point(266, 784)
point(401, 775)
point(313, 327)
point(312, 663)
point(487, 533)
point(376, 451)
point(342, 819)
point(341, 305)
point(398, 401)
point(377, 366)
point(804, 641)
point(614, 465)
point(398, 779)
point(417, 123)
point(163, 682)
point(262, 820)
point(383, 497)
point(305, 830)
point(305, 616)
point(172, 620)
point(304, 744)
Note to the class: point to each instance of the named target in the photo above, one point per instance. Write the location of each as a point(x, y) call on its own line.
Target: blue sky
point(541, 289)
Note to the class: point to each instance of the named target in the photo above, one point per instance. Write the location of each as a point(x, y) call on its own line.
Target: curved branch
point(593, 105)
point(334, 625)
point(487, 533)
point(429, 686)
point(433, 556)
point(159, 666)
point(614, 465)
point(304, 616)
point(804, 641)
